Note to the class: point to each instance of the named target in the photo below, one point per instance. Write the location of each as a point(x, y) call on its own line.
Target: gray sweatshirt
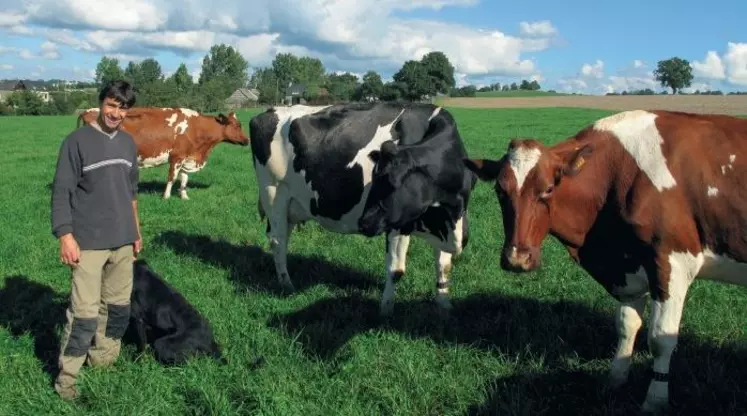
point(94, 185)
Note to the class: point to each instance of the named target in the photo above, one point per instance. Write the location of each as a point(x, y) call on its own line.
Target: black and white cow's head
point(401, 191)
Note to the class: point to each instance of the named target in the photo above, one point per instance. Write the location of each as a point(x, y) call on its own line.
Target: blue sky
point(579, 45)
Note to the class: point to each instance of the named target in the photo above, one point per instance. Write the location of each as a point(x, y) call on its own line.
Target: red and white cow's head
point(526, 181)
point(232, 130)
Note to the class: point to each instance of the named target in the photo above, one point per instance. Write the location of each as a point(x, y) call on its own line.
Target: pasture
point(514, 344)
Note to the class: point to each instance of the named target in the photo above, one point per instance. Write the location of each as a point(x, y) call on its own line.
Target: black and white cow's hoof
point(287, 288)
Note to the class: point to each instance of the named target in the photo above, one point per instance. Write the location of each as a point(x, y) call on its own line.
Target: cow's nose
point(521, 258)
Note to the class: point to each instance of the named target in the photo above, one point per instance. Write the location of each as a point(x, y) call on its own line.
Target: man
point(95, 219)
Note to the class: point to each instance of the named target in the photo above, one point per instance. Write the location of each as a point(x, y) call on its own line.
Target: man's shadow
point(31, 307)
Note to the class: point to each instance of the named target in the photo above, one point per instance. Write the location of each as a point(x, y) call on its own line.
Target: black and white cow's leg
point(666, 314)
point(278, 233)
point(628, 322)
point(443, 269)
point(396, 259)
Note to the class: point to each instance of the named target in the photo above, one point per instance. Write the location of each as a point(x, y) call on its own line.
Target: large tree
point(226, 64)
point(372, 86)
point(414, 75)
point(342, 86)
point(108, 70)
point(182, 79)
point(440, 71)
point(675, 73)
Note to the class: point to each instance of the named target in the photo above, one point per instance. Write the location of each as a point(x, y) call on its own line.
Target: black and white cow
point(365, 168)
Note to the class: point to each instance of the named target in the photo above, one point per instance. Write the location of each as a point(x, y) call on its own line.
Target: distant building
point(7, 87)
point(242, 97)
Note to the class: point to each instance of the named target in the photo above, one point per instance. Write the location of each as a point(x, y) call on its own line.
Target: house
point(295, 94)
point(7, 87)
point(242, 97)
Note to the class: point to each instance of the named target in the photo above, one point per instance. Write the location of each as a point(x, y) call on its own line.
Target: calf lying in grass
point(162, 317)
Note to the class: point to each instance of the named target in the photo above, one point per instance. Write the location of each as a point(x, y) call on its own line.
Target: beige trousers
point(99, 311)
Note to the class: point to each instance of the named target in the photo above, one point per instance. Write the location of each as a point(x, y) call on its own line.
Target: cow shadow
point(575, 343)
point(158, 187)
point(485, 321)
point(31, 307)
point(253, 268)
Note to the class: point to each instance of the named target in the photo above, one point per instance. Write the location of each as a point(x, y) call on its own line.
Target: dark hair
point(119, 90)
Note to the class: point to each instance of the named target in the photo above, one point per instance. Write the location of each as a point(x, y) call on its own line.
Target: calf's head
point(400, 191)
point(232, 130)
point(526, 179)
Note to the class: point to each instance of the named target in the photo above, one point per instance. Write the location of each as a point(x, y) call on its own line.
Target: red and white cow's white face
point(526, 178)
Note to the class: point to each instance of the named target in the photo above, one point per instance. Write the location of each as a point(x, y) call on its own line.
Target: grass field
point(530, 344)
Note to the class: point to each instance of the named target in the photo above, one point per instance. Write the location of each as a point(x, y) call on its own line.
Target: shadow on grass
point(567, 336)
point(35, 308)
point(157, 187)
point(251, 267)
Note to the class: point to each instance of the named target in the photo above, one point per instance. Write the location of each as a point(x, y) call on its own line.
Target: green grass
point(518, 93)
point(528, 344)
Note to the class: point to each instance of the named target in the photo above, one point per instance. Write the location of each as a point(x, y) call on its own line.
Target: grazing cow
point(162, 317)
point(645, 202)
point(180, 136)
point(365, 168)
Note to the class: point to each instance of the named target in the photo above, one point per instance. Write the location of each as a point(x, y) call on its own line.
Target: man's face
point(112, 113)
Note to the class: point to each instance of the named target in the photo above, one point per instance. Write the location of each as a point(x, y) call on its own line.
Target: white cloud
point(48, 51)
point(592, 79)
point(711, 68)
point(595, 70)
point(573, 85)
point(736, 60)
point(541, 28)
point(352, 35)
point(616, 83)
point(10, 19)
point(698, 86)
point(6, 67)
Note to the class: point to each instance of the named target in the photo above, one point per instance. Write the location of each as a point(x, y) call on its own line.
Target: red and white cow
point(645, 202)
point(182, 137)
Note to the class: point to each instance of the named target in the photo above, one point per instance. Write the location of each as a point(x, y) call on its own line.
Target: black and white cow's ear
point(375, 156)
point(485, 169)
point(388, 150)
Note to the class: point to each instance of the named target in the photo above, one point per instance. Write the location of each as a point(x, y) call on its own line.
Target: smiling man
point(95, 219)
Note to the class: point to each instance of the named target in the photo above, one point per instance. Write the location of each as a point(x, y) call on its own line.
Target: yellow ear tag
point(580, 162)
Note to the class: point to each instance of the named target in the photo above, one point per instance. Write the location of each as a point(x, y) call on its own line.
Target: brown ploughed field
point(725, 104)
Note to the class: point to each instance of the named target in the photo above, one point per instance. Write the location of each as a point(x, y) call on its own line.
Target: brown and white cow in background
point(182, 137)
point(645, 202)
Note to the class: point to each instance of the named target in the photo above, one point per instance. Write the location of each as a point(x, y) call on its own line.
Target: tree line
point(224, 70)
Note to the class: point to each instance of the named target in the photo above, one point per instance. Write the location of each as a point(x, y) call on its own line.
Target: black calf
point(162, 317)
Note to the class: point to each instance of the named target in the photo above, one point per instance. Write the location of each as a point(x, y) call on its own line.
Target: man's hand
point(138, 245)
point(69, 250)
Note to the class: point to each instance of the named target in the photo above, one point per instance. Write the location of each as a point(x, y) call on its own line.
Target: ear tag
point(580, 162)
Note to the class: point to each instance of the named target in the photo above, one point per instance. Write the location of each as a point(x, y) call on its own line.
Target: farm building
point(242, 97)
point(7, 87)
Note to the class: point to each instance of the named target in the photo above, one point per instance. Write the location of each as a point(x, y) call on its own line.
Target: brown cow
point(180, 136)
point(645, 202)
